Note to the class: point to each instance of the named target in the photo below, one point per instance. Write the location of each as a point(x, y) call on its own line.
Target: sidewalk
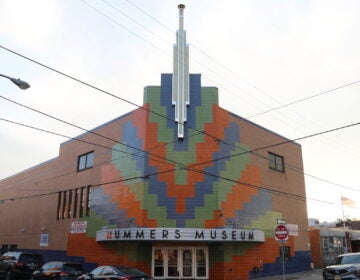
point(315, 274)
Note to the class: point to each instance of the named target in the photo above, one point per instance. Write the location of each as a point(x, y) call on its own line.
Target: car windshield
point(130, 271)
point(347, 259)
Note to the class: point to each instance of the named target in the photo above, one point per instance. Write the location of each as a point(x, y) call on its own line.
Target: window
point(74, 203)
point(85, 161)
point(285, 252)
point(4, 248)
point(276, 162)
point(13, 247)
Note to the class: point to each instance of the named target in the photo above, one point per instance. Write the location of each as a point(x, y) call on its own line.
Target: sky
point(289, 66)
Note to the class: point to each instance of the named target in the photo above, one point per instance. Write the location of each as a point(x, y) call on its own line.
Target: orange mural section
point(241, 266)
point(100, 254)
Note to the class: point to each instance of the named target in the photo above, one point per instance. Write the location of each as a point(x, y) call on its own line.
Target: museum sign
point(180, 234)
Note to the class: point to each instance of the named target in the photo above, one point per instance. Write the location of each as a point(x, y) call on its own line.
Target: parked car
point(345, 266)
point(19, 265)
point(57, 270)
point(115, 272)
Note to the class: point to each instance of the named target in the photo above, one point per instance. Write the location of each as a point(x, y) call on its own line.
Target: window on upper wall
point(276, 162)
point(85, 161)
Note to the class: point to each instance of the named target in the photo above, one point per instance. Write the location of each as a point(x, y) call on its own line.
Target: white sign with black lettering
point(180, 234)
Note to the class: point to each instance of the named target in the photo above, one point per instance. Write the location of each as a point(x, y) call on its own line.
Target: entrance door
point(180, 263)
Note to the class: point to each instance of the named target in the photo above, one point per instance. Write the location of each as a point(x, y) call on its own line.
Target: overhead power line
point(140, 151)
point(101, 90)
point(163, 51)
point(225, 67)
point(141, 107)
point(273, 191)
point(122, 99)
point(303, 99)
point(209, 57)
point(191, 167)
point(113, 95)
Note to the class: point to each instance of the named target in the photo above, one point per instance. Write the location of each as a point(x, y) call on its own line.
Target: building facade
point(179, 188)
point(329, 242)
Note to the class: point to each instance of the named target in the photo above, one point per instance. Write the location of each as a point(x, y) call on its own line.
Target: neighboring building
point(327, 241)
point(198, 197)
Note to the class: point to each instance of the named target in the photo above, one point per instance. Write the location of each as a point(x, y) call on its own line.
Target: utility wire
point(190, 168)
point(198, 49)
point(218, 62)
point(193, 46)
point(103, 91)
point(113, 95)
point(272, 191)
point(296, 169)
point(211, 70)
point(303, 99)
point(92, 132)
point(168, 54)
point(125, 100)
point(229, 69)
point(297, 102)
point(140, 151)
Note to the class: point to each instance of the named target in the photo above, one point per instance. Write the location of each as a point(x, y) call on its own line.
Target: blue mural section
point(195, 102)
point(59, 255)
point(299, 262)
point(257, 207)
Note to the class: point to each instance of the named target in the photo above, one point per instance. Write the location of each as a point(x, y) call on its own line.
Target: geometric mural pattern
point(183, 183)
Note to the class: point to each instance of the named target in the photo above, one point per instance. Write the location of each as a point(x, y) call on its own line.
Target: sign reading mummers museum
point(180, 234)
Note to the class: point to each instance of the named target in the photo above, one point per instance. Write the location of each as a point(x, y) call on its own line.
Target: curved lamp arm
point(21, 84)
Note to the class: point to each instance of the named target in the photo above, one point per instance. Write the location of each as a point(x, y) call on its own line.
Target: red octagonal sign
point(281, 232)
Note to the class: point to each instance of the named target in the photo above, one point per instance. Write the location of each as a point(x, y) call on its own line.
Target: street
point(315, 274)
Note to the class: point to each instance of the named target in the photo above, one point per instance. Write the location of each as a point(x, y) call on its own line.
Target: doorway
point(180, 262)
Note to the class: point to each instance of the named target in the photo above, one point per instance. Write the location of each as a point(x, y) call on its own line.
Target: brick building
point(180, 188)
point(328, 242)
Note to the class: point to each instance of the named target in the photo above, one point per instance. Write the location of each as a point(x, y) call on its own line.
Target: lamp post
point(21, 84)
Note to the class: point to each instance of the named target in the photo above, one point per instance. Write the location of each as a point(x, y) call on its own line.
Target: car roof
point(349, 254)
point(17, 253)
point(11, 253)
point(63, 262)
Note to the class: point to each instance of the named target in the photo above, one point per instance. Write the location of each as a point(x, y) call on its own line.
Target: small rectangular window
point(276, 162)
point(285, 253)
point(63, 211)
point(58, 217)
point(4, 248)
point(13, 247)
point(85, 161)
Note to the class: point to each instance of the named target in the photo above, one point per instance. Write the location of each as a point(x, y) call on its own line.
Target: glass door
point(172, 263)
point(180, 263)
point(201, 263)
point(187, 263)
point(158, 262)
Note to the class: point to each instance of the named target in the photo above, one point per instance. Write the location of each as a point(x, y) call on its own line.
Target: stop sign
point(281, 232)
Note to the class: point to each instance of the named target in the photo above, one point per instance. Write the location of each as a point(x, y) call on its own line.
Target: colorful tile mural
point(199, 181)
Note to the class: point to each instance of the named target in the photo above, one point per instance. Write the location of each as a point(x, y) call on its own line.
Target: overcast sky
point(260, 54)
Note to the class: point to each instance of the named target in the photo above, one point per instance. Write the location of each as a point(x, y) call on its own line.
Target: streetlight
point(21, 84)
